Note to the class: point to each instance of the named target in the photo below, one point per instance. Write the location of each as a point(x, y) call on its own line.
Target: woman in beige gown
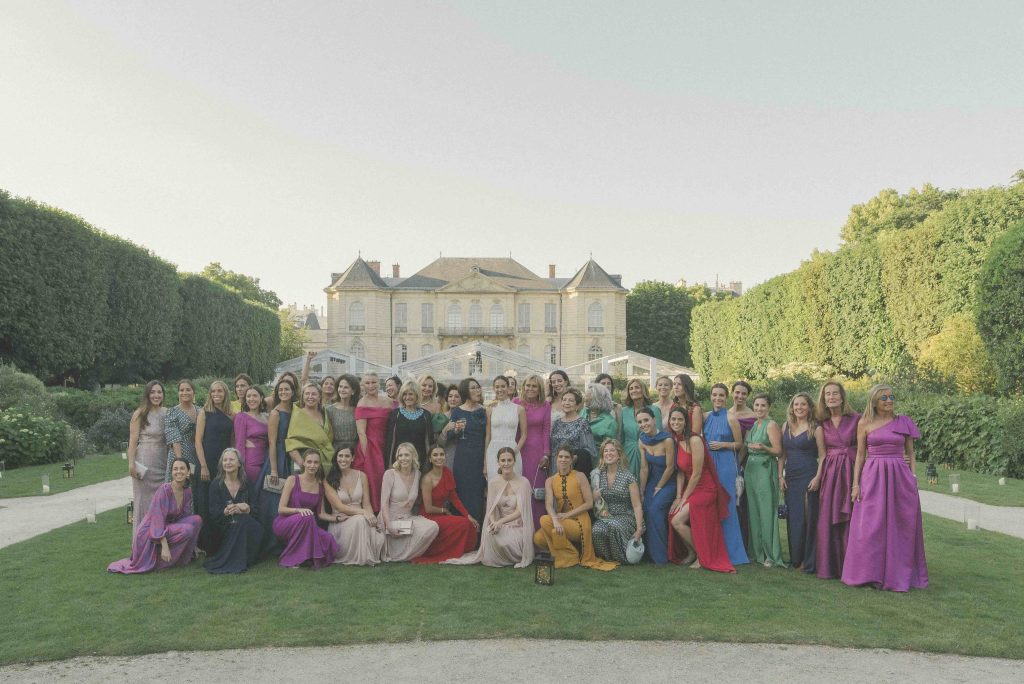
point(507, 537)
point(398, 494)
point(351, 520)
point(147, 450)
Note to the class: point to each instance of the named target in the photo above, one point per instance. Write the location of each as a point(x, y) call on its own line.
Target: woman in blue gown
point(657, 480)
point(722, 433)
point(470, 430)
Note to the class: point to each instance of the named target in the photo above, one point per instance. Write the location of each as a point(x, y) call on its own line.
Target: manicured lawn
point(28, 481)
point(59, 602)
point(982, 488)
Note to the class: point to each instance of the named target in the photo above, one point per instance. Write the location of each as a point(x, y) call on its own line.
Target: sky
point(667, 140)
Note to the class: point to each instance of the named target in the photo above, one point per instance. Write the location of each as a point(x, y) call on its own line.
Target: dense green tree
point(247, 286)
point(999, 310)
point(293, 338)
point(658, 321)
point(889, 210)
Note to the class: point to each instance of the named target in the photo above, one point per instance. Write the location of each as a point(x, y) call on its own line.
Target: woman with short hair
point(409, 423)
point(600, 413)
point(573, 430)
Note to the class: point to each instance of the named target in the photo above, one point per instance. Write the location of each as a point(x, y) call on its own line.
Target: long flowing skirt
point(359, 543)
point(802, 523)
point(182, 537)
point(761, 477)
point(304, 541)
point(834, 511)
point(456, 536)
point(656, 522)
point(240, 548)
point(706, 528)
point(725, 466)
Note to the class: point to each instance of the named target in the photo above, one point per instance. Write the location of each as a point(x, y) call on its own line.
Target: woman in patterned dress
point(180, 432)
point(623, 517)
point(573, 430)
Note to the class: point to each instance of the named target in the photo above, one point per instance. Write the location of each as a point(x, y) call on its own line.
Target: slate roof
point(592, 277)
point(358, 276)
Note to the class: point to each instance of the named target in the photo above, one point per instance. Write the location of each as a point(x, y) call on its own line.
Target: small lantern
point(3, 469)
point(90, 511)
point(124, 451)
point(69, 470)
point(129, 513)
point(933, 474)
point(954, 483)
point(544, 570)
point(1002, 480)
point(46, 484)
point(972, 515)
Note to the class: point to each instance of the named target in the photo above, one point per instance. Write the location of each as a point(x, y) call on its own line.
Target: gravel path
point(1006, 519)
point(539, 661)
point(25, 517)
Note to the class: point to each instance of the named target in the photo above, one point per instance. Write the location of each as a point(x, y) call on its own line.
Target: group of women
point(342, 472)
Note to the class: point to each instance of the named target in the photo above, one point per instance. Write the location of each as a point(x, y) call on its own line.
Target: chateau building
point(452, 301)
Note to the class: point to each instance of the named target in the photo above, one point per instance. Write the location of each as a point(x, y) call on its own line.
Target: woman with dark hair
point(371, 424)
point(342, 413)
point(763, 475)
point(685, 394)
point(506, 426)
point(147, 448)
point(457, 529)
point(251, 439)
point(513, 387)
point(242, 383)
point(636, 399)
point(657, 472)
point(169, 531)
point(886, 546)
point(573, 431)
point(701, 503)
point(803, 448)
point(233, 511)
point(722, 432)
point(302, 501)
point(391, 387)
point(180, 432)
point(469, 429)
point(558, 382)
point(278, 464)
point(352, 522)
point(745, 417)
point(447, 435)
point(409, 423)
point(835, 477)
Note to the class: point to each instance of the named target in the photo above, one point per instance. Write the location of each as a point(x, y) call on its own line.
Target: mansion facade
point(454, 300)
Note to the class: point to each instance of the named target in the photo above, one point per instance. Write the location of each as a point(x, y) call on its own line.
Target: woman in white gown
point(506, 427)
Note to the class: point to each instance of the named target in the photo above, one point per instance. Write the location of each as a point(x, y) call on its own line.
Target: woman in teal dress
point(764, 444)
point(636, 398)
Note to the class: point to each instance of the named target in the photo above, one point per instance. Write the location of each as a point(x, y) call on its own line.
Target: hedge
point(1000, 308)
point(79, 304)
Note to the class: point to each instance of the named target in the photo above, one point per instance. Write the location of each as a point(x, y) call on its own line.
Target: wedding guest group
point(347, 472)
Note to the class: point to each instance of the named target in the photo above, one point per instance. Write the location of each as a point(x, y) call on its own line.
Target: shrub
point(27, 439)
point(110, 430)
point(22, 389)
point(963, 431)
point(957, 353)
point(82, 409)
point(1011, 420)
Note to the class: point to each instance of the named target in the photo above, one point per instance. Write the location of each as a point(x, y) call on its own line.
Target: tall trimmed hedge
point(869, 308)
point(76, 303)
point(1000, 308)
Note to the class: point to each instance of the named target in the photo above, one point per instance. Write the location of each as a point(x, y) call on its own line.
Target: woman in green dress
point(636, 398)
point(764, 444)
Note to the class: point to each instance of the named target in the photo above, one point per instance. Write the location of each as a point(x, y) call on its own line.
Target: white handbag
point(634, 551)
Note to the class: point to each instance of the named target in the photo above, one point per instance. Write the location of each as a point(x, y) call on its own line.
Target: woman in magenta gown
point(886, 547)
point(835, 478)
point(538, 438)
point(458, 530)
point(701, 503)
point(372, 413)
point(168, 534)
point(295, 526)
point(251, 434)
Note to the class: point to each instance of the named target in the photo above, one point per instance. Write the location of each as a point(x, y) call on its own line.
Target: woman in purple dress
point(536, 448)
point(251, 438)
point(168, 534)
point(886, 547)
point(834, 479)
point(301, 504)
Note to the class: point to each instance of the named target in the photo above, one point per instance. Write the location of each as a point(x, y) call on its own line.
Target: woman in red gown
point(371, 424)
point(701, 503)
point(458, 533)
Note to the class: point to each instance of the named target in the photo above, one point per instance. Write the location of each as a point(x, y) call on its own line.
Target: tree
point(247, 286)
point(889, 210)
point(999, 309)
point(658, 321)
point(293, 337)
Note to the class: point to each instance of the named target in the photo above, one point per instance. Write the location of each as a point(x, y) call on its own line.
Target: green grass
point(982, 488)
point(28, 481)
point(60, 602)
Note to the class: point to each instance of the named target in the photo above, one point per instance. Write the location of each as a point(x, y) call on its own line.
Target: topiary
point(24, 390)
point(110, 430)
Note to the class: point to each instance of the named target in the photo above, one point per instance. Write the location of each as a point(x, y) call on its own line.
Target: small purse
point(403, 527)
point(600, 507)
point(741, 485)
point(269, 486)
point(634, 551)
point(539, 493)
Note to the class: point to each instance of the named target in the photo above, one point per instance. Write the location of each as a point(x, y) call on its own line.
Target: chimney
point(394, 271)
point(551, 270)
point(374, 266)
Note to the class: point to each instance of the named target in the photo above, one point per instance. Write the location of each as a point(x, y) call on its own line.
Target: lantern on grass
point(46, 484)
point(933, 474)
point(129, 513)
point(124, 451)
point(3, 469)
point(69, 470)
point(972, 515)
point(544, 570)
point(954, 483)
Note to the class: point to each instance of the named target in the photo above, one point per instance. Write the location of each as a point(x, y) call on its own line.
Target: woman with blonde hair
point(371, 425)
point(636, 399)
point(535, 450)
point(409, 423)
point(803, 448)
point(886, 547)
point(310, 428)
point(834, 478)
point(407, 535)
point(622, 520)
point(213, 435)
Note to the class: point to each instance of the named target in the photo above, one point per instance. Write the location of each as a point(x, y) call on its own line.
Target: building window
point(454, 316)
point(524, 318)
point(550, 318)
point(427, 318)
point(476, 315)
point(497, 318)
point(356, 317)
point(595, 318)
point(524, 349)
point(358, 352)
point(401, 353)
point(551, 352)
point(594, 353)
point(401, 318)
point(426, 350)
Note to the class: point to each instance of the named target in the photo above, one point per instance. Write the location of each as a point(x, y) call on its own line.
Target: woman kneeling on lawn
point(168, 534)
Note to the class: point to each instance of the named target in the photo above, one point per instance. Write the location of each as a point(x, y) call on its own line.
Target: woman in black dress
point(233, 512)
point(410, 423)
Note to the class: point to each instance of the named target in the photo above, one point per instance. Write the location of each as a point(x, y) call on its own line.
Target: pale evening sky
point(670, 139)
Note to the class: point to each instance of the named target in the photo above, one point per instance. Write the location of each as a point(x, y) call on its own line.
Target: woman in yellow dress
point(568, 500)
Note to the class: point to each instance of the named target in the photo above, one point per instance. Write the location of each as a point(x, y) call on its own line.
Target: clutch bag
point(269, 486)
point(404, 527)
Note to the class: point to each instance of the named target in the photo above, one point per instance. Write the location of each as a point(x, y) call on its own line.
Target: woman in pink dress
point(371, 424)
point(352, 522)
point(302, 502)
point(886, 547)
point(168, 534)
point(535, 449)
point(835, 478)
point(251, 434)
point(407, 535)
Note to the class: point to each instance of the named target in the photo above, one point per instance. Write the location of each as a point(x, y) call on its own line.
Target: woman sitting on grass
point(168, 534)
point(301, 502)
point(233, 511)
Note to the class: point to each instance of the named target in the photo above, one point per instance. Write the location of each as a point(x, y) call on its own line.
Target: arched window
point(356, 317)
point(524, 349)
point(594, 353)
point(497, 318)
point(401, 353)
point(595, 318)
point(358, 352)
point(426, 350)
point(454, 316)
point(476, 316)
